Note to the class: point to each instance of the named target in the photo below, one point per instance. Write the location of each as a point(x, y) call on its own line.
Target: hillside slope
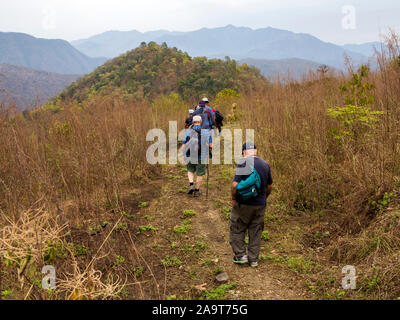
point(43, 54)
point(151, 70)
point(27, 88)
point(266, 43)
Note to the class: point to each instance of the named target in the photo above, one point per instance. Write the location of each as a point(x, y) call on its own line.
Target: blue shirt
point(243, 171)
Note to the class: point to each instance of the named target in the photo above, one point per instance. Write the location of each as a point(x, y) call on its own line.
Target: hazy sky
point(329, 20)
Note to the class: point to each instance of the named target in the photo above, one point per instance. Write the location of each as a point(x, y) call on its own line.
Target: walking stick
point(208, 175)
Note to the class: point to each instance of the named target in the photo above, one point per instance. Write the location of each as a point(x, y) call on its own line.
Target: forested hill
point(27, 88)
point(151, 70)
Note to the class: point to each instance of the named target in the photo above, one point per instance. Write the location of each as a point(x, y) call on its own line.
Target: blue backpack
point(249, 188)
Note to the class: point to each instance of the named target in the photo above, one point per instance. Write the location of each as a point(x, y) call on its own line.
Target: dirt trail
point(259, 284)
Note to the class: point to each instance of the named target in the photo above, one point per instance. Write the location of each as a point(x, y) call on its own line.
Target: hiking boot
point(254, 264)
point(197, 193)
point(191, 190)
point(241, 260)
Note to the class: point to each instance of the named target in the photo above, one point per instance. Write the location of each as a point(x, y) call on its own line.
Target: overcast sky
point(332, 21)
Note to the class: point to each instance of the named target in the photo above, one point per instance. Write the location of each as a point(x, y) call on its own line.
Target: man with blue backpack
point(207, 115)
point(197, 148)
point(251, 187)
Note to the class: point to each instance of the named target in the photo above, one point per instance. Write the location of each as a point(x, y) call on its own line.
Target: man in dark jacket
point(249, 214)
point(207, 116)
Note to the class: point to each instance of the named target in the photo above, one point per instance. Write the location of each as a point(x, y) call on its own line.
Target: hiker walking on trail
point(251, 187)
point(207, 115)
point(197, 144)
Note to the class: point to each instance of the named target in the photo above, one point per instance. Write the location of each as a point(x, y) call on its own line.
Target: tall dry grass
point(71, 164)
point(349, 183)
point(314, 171)
point(75, 154)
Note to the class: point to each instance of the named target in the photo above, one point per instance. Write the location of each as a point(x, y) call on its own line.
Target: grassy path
point(210, 225)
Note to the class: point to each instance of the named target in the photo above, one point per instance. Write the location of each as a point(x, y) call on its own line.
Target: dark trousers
point(245, 218)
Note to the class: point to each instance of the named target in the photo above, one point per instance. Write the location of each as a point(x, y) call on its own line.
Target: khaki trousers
point(245, 218)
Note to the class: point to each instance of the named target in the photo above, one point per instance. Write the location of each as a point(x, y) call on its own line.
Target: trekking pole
point(208, 175)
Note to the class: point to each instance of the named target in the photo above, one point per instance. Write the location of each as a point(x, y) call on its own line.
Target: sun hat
point(196, 119)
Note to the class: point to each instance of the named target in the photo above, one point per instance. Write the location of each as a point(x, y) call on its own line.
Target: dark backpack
point(205, 116)
point(219, 118)
point(189, 121)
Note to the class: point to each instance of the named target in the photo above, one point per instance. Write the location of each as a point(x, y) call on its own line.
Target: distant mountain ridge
point(57, 56)
point(367, 49)
point(27, 88)
point(235, 42)
point(292, 68)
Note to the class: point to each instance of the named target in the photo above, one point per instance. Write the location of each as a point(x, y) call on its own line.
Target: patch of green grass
point(6, 294)
point(174, 245)
point(172, 297)
point(207, 262)
point(122, 226)
point(139, 271)
point(218, 270)
point(265, 236)
point(171, 262)
point(200, 246)
point(380, 205)
point(219, 293)
point(192, 274)
point(129, 216)
point(337, 295)
point(170, 176)
point(149, 227)
point(189, 213)
point(302, 264)
point(226, 174)
point(187, 248)
point(93, 230)
point(183, 170)
point(79, 250)
point(120, 260)
point(143, 205)
point(184, 228)
point(226, 213)
point(105, 224)
point(124, 294)
point(55, 250)
point(370, 283)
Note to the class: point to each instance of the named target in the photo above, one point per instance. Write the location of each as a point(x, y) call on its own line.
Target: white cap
point(191, 111)
point(205, 99)
point(197, 119)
